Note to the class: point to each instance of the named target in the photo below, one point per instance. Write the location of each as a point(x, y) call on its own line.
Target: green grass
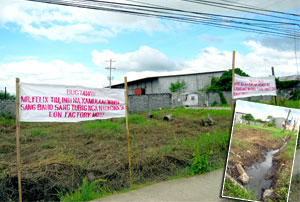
point(103, 128)
point(290, 148)
point(86, 192)
point(38, 132)
point(160, 150)
point(275, 132)
point(234, 191)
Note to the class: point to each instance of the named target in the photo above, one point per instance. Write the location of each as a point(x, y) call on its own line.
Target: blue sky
point(262, 111)
point(42, 43)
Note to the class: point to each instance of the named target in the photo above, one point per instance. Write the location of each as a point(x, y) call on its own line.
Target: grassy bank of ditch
point(58, 158)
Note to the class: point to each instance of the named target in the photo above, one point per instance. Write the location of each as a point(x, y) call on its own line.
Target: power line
point(237, 8)
point(281, 29)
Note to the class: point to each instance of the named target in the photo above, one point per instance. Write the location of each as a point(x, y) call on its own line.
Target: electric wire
point(270, 27)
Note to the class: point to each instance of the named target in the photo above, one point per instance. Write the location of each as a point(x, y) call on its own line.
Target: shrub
point(86, 192)
point(179, 86)
point(215, 103)
point(199, 163)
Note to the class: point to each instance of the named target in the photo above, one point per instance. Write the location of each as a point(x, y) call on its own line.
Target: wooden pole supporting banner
point(18, 138)
point(232, 89)
point(275, 97)
point(127, 129)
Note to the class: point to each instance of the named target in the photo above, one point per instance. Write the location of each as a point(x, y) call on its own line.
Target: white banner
point(253, 86)
point(60, 103)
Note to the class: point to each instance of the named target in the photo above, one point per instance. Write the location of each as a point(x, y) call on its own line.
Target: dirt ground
point(248, 146)
point(57, 156)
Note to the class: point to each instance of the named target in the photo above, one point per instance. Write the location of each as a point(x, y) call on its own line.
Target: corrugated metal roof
point(156, 77)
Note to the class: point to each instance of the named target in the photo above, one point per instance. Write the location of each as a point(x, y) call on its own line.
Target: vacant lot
point(57, 156)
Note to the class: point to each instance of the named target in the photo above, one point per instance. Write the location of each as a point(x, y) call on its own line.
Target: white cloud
point(65, 23)
point(256, 63)
point(147, 62)
point(55, 72)
point(143, 59)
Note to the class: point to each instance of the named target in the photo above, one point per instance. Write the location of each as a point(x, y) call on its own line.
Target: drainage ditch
point(260, 173)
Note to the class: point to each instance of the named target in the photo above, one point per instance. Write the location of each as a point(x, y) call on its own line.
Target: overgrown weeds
point(57, 156)
point(86, 192)
point(234, 191)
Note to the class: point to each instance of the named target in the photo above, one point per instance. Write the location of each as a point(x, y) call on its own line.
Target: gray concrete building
point(161, 84)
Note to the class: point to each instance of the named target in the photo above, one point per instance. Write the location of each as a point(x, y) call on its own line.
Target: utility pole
point(273, 74)
point(110, 68)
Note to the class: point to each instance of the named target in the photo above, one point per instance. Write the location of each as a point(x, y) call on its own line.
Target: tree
point(8, 95)
point(224, 83)
point(178, 86)
point(248, 117)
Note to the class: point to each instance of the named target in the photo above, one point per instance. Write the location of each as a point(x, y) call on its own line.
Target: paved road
point(206, 187)
point(223, 108)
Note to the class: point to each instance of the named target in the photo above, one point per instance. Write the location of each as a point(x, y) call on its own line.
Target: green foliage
point(224, 83)
point(7, 120)
point(248, 117)
point(282, 193)
point(222, 97)
point(296, 95)
point(203, 146)
point(178, 87)
point(234, 191)
point(38, 132)
point(86, 192)
point(285, 84)
point(215, 103)
point(199, 163)
point(8, 95)
point(136, 119)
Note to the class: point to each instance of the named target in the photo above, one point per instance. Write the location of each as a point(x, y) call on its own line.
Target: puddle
point(258, 171)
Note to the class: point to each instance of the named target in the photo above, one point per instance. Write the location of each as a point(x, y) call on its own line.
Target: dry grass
point(57, 156)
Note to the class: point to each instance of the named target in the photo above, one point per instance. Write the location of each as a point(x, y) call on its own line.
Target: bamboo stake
point(275, 97)
point(18, 138)
point(232, 89)
point(127, 129)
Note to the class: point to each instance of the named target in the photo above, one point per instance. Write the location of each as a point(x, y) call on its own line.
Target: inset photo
point(261, 152)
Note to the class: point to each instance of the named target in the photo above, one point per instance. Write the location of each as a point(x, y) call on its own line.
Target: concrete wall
point(151, 87)
point(8, 106)
point(148, 102)
point(194, 82)
point(157, 100)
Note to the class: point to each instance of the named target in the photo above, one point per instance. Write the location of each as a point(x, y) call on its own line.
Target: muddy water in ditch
point(259, 171)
